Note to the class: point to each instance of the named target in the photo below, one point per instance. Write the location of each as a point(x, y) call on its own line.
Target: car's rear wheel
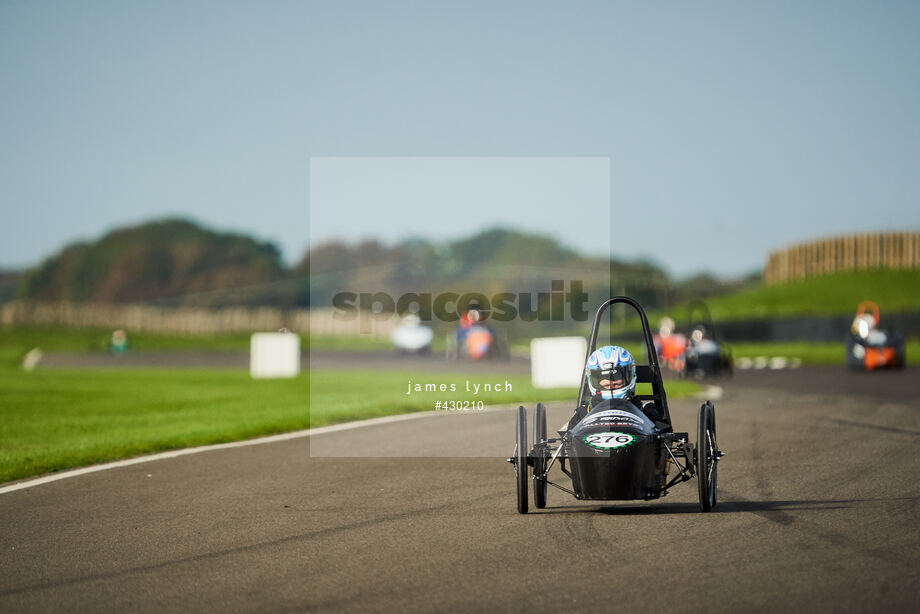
point(539, 459)
point(520, 458)
point(707, 456)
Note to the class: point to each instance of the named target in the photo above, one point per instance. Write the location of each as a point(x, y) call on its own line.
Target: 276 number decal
point(610, 440)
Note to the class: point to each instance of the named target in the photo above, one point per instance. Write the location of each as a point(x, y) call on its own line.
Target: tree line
point(176, 262)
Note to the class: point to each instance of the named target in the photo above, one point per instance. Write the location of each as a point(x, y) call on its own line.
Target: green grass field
point(15, 342)
point(57, 419)
point(52, 420)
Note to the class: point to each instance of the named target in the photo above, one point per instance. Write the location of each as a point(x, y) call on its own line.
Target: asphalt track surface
point(818, 511)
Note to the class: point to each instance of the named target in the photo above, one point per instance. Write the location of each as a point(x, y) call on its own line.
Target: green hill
point(178, 262)
point(159, 260)
point(834, 294)
point(495, 260)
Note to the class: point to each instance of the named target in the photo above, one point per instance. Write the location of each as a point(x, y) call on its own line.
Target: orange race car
point(869, 347)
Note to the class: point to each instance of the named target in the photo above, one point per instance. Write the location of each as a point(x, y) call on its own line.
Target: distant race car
point(474, 339)
point(705, 356)
point(411, 337)
point(869, 347)
point(670, 346)
point(616, 452)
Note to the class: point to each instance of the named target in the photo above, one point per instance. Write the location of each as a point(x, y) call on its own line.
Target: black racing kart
point(706, 355)
point(615, 452)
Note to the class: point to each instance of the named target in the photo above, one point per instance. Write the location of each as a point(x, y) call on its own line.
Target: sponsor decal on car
point(612, 412)
point(614, 422)
point(613, 417)
point(609, 440)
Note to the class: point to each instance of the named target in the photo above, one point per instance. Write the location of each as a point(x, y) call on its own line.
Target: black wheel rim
point(711, 466)
point(707, 457)
point(539, 461)
point(713, 486)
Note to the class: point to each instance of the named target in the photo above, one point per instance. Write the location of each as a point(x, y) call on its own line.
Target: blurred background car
point(870, 347)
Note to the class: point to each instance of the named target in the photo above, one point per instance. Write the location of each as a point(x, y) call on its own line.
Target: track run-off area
point(818, 511)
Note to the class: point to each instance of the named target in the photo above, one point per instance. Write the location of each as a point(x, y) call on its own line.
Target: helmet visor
point(610, 379)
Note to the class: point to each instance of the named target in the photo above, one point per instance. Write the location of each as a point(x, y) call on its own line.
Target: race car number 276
point(607, 441)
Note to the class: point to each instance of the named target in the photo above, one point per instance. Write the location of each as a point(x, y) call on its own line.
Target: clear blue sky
point(731, 128)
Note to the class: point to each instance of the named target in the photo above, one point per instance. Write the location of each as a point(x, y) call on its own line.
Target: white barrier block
point(557, 362)
point(274, 355)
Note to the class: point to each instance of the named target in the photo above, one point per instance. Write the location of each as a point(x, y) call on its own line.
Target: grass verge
point(15, 342)
point(52, 420)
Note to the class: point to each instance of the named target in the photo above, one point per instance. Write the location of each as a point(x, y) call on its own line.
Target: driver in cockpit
point(611, 374)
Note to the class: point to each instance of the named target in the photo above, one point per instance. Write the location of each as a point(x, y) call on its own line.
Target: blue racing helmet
point(611, 371)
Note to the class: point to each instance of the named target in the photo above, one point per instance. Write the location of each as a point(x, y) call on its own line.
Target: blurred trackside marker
point(762, 362)
point(557, 362)
point(274, 355)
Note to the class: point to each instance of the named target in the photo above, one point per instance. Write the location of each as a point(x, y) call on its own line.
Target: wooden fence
point(890, 250)
point(186, 320)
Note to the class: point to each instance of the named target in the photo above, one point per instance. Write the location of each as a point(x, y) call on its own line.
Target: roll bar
point(650, 373)
point(699, 306)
